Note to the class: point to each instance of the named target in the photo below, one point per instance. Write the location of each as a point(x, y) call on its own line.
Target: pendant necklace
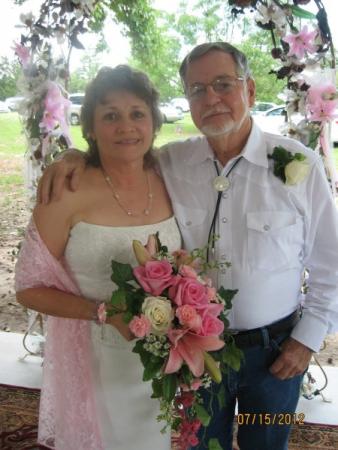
point(221, 184)
point(128, 211)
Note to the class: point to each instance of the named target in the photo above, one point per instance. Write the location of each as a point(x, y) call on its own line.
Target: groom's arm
point(67, 170)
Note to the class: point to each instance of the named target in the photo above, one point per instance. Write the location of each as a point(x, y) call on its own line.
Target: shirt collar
point(254, 151)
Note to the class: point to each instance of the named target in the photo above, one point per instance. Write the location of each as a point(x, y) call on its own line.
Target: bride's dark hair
point(120, 78)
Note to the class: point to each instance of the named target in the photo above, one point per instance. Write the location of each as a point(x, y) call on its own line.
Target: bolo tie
point(221, 183)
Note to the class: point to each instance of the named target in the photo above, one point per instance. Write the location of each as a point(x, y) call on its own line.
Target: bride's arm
point(53, 222)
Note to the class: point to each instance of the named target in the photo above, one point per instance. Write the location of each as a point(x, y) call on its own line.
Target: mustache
point(216, 110)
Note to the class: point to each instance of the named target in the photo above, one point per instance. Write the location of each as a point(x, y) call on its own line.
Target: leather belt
point(251, 338)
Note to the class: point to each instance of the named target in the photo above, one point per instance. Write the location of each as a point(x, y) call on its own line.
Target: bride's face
point(123, 127)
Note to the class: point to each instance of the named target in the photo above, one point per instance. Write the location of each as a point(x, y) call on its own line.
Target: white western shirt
point(269, 232)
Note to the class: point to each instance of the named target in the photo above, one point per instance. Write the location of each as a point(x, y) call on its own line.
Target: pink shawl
point(67, 419)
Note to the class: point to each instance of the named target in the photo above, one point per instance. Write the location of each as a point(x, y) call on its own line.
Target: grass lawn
point(13, 146)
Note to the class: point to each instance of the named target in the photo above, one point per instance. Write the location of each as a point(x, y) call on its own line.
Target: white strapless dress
point(127, 414)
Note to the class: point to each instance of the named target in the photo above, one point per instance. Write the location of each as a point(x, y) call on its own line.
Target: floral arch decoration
point(305, 53)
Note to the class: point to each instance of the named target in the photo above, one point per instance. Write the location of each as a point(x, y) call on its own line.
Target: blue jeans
point(262, 399)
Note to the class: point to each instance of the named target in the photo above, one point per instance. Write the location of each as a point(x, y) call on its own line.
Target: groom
point(269, 230)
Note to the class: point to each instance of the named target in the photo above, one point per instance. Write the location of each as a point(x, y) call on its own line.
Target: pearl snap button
point(224, 220)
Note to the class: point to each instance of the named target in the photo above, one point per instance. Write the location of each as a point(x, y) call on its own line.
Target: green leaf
point(232, 355)
point(227, 295)
point(300, 157)
point(157, 386)
point(202, 414)
point(213, 444)
point(121, 273)
point(127, 317)
point(170, 384)
point(118, 298)
point(144, 355)
point(186, 375)
point(152, 367)
point(302, 13)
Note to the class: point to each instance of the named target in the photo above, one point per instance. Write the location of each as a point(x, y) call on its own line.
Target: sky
point(120, 50)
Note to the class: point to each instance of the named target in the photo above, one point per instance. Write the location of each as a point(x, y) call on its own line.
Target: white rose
point(159, 312)
point(296, 171)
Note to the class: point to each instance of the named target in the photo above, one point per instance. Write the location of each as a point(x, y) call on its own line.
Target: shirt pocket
point(275, 240)
point(193, 224)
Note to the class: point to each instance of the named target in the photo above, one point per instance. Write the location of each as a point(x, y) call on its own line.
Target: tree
point(80, 77)
point(256, 48)
point(9, 74)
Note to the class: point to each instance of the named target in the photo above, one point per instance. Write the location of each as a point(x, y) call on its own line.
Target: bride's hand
point(117, 322)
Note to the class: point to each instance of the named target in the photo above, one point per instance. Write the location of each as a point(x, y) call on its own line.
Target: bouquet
point(180, 324)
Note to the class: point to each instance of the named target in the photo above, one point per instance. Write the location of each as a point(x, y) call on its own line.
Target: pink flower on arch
point(301, 42)
point(23, 54)
point(321, 104)
point(55, 113)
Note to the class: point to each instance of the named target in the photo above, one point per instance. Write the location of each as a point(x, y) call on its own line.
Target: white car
point(180, 103)
point(271, 120)
point(262, 107)
point(75, 107)
point(3, 107)
point(334, 129)
point(170, 113)
point(13, 103)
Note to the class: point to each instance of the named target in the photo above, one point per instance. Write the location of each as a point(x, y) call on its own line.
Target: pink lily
point(301, 42)
point(190, 348)
point(23, 54)
point(321, 103)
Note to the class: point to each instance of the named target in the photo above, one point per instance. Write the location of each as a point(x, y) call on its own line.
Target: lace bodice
point(91, 248)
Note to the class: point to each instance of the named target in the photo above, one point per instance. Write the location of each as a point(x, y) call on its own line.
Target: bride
point(93, 396)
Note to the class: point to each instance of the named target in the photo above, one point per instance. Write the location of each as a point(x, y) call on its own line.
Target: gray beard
point(214, 131)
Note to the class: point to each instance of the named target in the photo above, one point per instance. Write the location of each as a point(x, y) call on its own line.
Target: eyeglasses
point(221, 85)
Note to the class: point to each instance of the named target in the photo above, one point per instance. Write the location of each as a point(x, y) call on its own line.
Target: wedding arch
point(301, 44)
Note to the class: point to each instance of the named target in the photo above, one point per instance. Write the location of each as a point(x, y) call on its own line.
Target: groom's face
point(218, 111)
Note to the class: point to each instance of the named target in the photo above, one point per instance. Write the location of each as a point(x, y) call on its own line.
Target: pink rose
point(155, 276)
point(140, 326)
point(211, 326)
point(188, 291)
point(211, 293)
point(188, 271)
point(188, 317)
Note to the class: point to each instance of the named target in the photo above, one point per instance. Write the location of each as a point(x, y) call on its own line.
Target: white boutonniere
point(291, 168)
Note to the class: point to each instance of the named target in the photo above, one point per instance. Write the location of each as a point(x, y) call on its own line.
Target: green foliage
point(213, 444)
point(282, 158)
point(87, 70)
point(170, 384)
point(231, 355)
point(122, 273)
point(257, 49)
point(9, 74)
point(202, 414)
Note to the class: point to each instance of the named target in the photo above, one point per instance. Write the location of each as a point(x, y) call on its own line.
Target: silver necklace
point(128, 211)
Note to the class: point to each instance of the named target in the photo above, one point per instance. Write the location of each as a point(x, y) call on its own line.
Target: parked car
point(334, 129)
point(180, 103)
point(170, 113)
point(271, 120)
point(3, 107)
point(261, 107)
point(75, 108)
point(13, 103)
